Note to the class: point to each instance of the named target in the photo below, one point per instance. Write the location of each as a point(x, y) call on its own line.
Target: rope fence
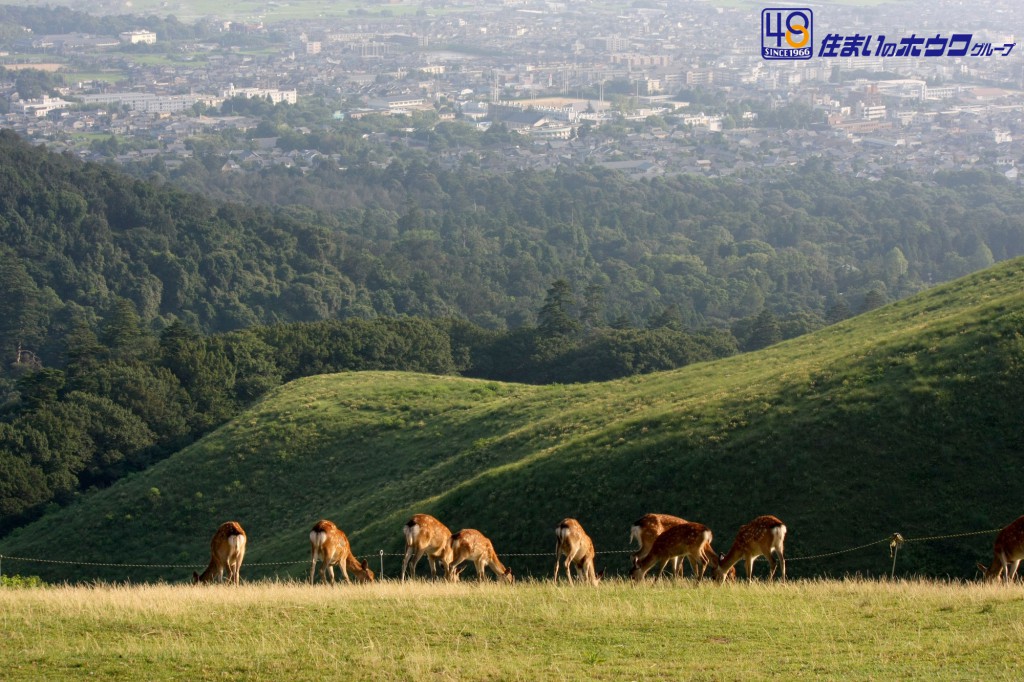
point(895, 542)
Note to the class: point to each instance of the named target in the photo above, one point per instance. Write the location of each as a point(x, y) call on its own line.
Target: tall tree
point(765, 331)
point(555, 317)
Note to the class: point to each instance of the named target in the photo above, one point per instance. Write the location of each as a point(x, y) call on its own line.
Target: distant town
point(648, 89)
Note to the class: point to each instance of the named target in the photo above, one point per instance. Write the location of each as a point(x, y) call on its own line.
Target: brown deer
point(573, 542)
point(227, 549)
point(716, 561)
point(472, 545)
point(688, 540)
point(760, 537)
point(426, 535)
point(646, 530)
point(330, 546)
point(1007, 553)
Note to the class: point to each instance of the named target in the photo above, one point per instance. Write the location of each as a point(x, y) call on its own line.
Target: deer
point(578, 548)
point(716, 561)
point(760, 537)
point(472, 545)
point(426, 535)
point(646, 530)
point(330, 546)
point(227, 549)
point(688, 540)
point(1007, 553)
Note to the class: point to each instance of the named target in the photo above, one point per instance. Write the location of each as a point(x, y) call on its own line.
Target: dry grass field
point(532, 631)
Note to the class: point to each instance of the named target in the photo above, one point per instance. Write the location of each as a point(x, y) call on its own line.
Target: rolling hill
point(904, 419)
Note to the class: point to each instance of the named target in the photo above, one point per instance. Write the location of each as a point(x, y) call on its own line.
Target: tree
point(40, 388)
point(555, 318)
point(895, 265)
point(22, 312)
point(765, 331)
point(873, 299)
point(838, 311)
point(122, 329)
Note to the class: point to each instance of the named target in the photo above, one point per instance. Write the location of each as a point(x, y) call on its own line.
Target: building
point(275, 96)
point(39, 107)
point(146, 102)
point(140, 37)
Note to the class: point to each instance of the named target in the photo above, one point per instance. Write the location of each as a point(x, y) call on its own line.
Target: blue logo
point(787, 33)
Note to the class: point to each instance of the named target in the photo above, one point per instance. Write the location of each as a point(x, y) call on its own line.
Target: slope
point(905, 419)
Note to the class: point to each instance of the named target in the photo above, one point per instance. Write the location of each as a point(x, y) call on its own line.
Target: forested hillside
point(411, 239)
point(112, 285)
point(905, 419)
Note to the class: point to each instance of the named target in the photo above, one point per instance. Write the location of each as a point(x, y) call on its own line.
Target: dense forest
point(411, 239)
point(136, 317)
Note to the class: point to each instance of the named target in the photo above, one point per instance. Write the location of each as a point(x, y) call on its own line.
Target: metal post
point(382, 564)
point(894, 547)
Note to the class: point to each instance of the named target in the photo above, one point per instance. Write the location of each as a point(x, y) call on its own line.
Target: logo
point(786, 33)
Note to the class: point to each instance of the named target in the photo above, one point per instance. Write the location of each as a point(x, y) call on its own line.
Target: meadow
point(531, 631)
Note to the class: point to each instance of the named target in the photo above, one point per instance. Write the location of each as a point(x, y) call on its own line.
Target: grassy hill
point(905, 419)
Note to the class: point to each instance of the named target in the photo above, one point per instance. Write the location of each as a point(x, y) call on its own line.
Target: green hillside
point(904, 419)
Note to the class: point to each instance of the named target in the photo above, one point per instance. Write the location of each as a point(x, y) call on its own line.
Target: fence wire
point(894, 541)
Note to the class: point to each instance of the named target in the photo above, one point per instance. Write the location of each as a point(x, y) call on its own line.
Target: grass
point(389, 631)
point(905, 419)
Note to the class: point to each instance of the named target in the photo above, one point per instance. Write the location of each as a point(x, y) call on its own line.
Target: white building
point(137, 37)
point(145, 101)
point(276, 96)
point(39, 107)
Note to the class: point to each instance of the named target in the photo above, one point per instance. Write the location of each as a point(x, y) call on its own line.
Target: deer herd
point(663, 540)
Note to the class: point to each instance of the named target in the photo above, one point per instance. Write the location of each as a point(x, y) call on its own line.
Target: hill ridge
point(903, 419)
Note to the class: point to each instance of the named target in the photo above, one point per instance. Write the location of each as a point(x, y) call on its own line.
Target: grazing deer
point(688, 540)
point(426, 535)
point(1007, 553)
point(578, 548)
point(330, 546)
point(472, 545)
point(760, 537)
point(227, 549)
point(646, 530)
point(716, 561)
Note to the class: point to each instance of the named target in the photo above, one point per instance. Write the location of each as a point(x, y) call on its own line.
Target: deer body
point(646, 530)
point(760, 537)
point(425, 535)
point(577, 547)
point(1007, 553)
point(688, 540)
point(330, 546)
point(472, 545)
point(227, 549)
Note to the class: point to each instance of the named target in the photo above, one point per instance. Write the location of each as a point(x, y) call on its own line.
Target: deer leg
point(405, 562)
